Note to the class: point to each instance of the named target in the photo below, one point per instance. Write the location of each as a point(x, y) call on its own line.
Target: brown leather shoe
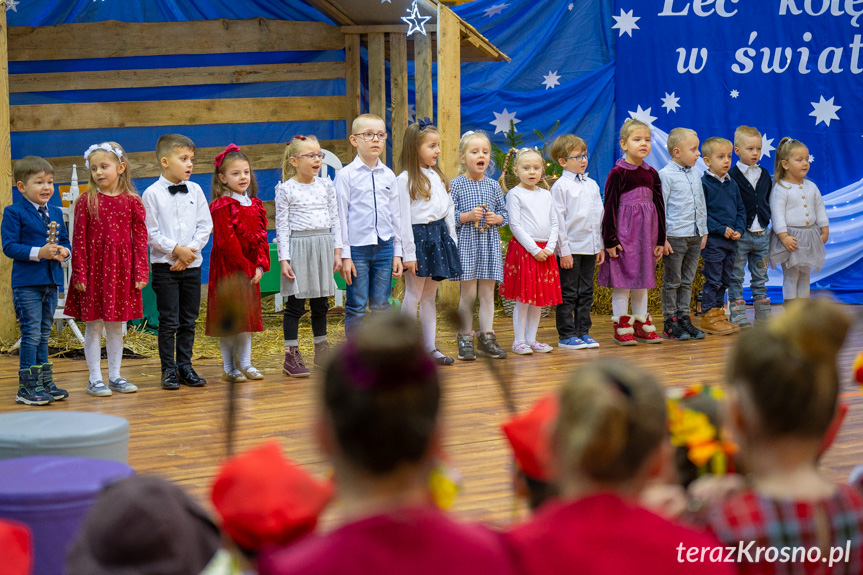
point(714, 322)
point(294, 366)
point(322, 353)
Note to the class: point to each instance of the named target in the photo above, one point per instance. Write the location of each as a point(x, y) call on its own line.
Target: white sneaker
point(98, 389)
point(122, 385)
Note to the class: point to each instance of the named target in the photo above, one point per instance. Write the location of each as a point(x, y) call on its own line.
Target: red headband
point(221, 157)
point(297, 138)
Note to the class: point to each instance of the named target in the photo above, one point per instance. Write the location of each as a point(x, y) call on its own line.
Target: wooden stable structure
point(449, 41)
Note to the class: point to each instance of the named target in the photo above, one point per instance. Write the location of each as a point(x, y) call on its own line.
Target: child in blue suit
point(36, 273)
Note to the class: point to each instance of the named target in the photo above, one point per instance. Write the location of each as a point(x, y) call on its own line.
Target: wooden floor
point(180, 435)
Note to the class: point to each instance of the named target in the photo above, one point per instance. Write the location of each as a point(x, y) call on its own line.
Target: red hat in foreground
point(266, 500)
point(530, 436)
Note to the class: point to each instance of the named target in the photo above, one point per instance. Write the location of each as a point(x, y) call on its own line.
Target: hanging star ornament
point(12, 5)
point(415, 22)
point(824, 111)
point(502, 120)
point(626, 22)
point(642, 115)
point(551, 79)
point(670, 103)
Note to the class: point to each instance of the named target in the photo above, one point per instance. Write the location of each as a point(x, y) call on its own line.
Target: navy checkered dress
point(479, 253)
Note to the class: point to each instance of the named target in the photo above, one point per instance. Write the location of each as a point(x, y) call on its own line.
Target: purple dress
point(634, 218)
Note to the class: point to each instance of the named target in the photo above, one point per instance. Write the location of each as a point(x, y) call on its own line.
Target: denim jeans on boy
point(678, 272)
point(373, 284)
point(572, 315)
point(752, 249)
point(34, 307)
point(718, 255)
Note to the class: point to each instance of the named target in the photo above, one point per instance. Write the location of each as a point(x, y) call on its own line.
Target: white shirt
point(578, 203)
point(532, 218)
point(176, 219)
point(752, 174)
point(439, 206)
point(302, 207)
point(368, 202)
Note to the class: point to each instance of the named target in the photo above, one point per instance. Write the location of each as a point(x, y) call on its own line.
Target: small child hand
point(600, 258)
point(179, 265)
point(703, 241)
point(825, 235)
point(735, 236)
point(337, 264)
point(477, 213)
point(566, 262)
point(491, 218)
point(62, 254)
point(729, 233)
point(615, 251)
point(398, 269)
point(184, 254)
point(286, 270)
point(411, 267)
point(348, 271)
point(667, 250)
point(80, 286)
point(790, 243)
point(259, 273)
point(657, 252)
point(140, 285)
point(48, 252)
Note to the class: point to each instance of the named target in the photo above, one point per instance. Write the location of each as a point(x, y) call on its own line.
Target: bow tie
point(181, 188)
point(581, 177)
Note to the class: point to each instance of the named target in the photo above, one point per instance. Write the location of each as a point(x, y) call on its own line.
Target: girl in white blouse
point(428, 229)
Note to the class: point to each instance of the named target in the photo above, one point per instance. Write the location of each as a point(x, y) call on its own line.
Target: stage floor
point(180, 435)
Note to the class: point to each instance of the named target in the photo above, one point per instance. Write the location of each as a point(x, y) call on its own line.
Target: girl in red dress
point(109, 263)
point(240, 256)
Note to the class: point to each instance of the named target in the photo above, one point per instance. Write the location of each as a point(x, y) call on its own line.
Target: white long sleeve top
point(421, 211)
point(302, 207)
point(797, 205)
point(532, 218)
point(578, 203)
point(176, 219)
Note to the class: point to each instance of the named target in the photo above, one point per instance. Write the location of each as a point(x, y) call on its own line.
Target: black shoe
point(441, 359)
point(694, 332)
point(170, 380)
point(187, 376)
point(672, 329)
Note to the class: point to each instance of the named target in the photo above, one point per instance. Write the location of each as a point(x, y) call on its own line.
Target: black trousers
point(576, 289)
point(178, 299)
point(294, 310)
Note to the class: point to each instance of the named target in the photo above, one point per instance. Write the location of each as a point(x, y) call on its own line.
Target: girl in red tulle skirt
point(530, 275)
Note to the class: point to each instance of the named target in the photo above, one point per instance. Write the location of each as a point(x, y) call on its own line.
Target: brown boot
point(294, 366)
point(322, 353)
point(714, 322)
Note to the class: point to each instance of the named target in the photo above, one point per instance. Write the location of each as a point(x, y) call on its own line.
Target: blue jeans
point(753, 250)
point(34, 307)
point(373, 284)
point(718, 256)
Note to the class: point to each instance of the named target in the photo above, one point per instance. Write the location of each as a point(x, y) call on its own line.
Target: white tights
point(620, 302)
point(525, 322)
point(239, 344)
point(421, 292)
point(113, 346)
point(795, 281)
point(486, 305)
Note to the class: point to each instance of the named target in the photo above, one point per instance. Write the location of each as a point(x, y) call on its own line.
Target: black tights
point(294, 310)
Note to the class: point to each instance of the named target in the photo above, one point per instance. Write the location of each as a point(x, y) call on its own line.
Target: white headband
point(468, 133)
point(103, 146)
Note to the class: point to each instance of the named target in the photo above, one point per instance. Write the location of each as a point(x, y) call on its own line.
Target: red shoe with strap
point(645, 332)
point(623, 331)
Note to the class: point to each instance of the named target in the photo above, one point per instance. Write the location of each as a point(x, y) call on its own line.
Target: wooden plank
point(144, 165)
point(448, 87)
point(377, 75)
point(146, 78)
point(352, 79)
point(8, 328)
point(335, 13)
point(89, 40)
point(398, 93)
point(382, 29)
point(28, 118)
point(424, 98)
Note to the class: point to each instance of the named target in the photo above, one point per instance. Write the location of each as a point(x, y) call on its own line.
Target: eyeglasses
point(369, 136)
point(317, 156)
point(581, 158)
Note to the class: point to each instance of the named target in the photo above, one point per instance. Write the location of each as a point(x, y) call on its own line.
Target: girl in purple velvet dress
point(633, 230)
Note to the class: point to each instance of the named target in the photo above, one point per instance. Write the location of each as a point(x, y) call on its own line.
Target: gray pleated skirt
point(312, 263)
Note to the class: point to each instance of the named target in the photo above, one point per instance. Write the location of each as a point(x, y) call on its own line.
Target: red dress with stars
point(109, 254)
point(239, 247)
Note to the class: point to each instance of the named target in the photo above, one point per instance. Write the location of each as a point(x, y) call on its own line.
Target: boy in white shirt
point(369, 216)
point(179, 226)
point(578, 203)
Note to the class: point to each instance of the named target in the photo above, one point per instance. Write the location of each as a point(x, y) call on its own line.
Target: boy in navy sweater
point(36, 274)
point(726, 218)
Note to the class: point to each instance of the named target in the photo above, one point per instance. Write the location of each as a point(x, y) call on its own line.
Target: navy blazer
point(756, 200)
point(22, 230)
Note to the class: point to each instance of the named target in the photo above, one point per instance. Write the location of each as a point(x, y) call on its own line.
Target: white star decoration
point(551, 79)
point(501, 121)
point(734, 93)
point(811, 158)
point(571, 6)
point(415, 22)
point(643, 115)
point(670, 103)
point(496, 9)
point(824, 111)
point(12, 5)
point(766, 145)
point(412, 114)
point(390, 1)
point(626, 22)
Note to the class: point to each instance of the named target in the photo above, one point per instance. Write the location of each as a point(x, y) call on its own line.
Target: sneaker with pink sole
point(521, 348)
point(537, 347)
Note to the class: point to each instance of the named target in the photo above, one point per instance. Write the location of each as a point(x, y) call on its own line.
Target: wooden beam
point(377, 75)
point(8, 329)
point(29, 118)
point(398, 93)
point(334, 12)
point(391, 29)
point(353, 108)
point(143, 164)
point(146, 78)
point(89, 40)
point(448, 87)
point(424, 99)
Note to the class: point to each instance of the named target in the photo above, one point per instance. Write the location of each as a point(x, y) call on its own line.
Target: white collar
point(575, 177)
point(724, 178)
point(745, 167)
point(166, 182)
point(35, 205)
